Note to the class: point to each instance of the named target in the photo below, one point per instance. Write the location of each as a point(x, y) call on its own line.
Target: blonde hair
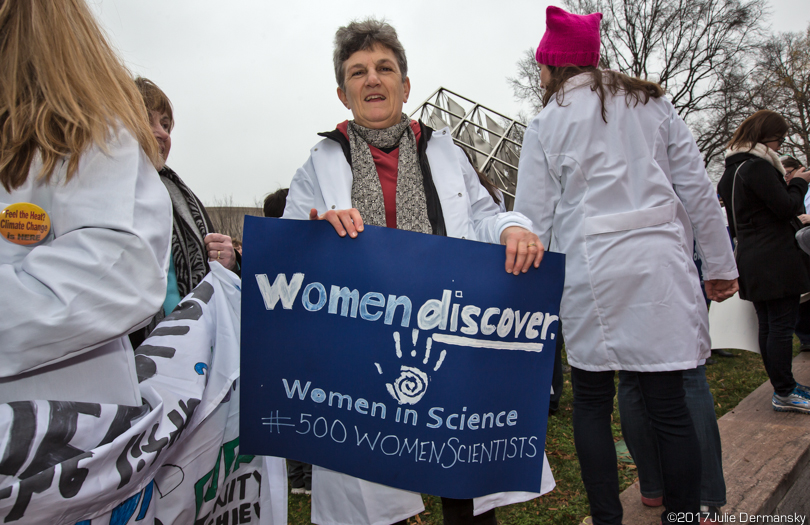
point(62, 89)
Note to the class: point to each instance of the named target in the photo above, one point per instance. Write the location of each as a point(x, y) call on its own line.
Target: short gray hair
point(364, 35)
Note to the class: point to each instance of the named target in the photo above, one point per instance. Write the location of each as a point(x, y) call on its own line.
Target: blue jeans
point(672, 426)
point(641, 443)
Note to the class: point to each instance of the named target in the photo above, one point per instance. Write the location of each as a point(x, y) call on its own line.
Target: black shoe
point(710, 361)
point(805, 347)
point(725, 353)
point(709, 514)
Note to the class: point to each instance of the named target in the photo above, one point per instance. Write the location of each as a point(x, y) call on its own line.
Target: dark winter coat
point(771, 264)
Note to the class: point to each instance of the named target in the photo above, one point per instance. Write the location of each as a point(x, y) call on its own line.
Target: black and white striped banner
point(174, 459)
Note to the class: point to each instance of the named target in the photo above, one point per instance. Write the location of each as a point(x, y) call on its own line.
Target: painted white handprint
point(412, 382)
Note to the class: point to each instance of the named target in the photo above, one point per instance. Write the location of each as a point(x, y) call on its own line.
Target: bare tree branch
point(526, 85)
point(698, 50)
point(227, 218)
point(782, 80)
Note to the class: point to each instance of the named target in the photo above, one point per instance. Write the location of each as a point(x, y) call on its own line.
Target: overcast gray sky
point(252, 81)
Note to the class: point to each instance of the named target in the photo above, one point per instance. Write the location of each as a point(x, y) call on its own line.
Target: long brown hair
point(62, 89)
point(602, 81)
point(762, 125)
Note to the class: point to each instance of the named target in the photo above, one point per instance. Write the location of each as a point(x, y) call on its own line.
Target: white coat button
point(444, 132)
point(459, 195)
point(333, 206)
point(463, 237)
point(316, 149)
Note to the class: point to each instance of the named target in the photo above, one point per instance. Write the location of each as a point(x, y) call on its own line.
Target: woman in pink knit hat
point(611, 176)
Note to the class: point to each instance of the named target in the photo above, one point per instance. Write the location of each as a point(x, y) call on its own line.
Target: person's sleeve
point(104, 272)
point(692, 185)
point(538, 189)
point(488, 219)
point(806, 201)
point(758, 178)
point(301, 197)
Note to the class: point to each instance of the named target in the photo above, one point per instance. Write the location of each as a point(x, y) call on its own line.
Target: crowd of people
point(609, 175)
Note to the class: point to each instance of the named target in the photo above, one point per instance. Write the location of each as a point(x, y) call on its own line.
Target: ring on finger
point(532, 244)
point(218, 253)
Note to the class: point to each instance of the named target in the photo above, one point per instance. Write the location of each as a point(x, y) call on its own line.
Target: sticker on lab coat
point(24, 223)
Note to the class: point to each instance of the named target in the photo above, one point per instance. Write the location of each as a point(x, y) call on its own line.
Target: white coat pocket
point(642, 280)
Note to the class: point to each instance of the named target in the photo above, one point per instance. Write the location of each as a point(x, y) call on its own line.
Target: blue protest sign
point(406, 359)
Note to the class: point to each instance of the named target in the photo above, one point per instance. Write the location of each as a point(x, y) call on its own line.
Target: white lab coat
point(324, 182)
point(69, 301)
point(623, 200)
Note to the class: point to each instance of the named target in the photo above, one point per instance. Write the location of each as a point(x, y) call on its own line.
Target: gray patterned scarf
point(190, 226)
point(367, 194)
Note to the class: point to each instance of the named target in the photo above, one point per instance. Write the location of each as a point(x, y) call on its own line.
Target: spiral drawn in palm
point(412, 382)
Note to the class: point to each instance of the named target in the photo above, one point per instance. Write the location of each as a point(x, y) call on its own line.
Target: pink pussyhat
point(570, 39)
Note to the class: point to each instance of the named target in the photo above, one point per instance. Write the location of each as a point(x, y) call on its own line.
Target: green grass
point(730, 380)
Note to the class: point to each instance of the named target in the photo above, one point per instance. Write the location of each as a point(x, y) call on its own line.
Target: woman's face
point(161, 126)
point(774, 144)
point(545, 76)
point(375, 91)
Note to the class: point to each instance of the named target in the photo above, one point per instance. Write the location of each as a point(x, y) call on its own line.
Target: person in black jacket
point(762, 214)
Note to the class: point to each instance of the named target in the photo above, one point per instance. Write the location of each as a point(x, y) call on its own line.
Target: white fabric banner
point(175, 459)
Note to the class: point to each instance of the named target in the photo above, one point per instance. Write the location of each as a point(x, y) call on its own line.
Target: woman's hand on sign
point(718, 290)
point(523, 249)
point(344, 221)
point(220, 249)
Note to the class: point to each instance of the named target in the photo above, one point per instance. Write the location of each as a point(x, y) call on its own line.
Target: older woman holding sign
point(383, 169)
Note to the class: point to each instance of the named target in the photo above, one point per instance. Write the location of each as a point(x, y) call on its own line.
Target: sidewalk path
point(765, 459)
